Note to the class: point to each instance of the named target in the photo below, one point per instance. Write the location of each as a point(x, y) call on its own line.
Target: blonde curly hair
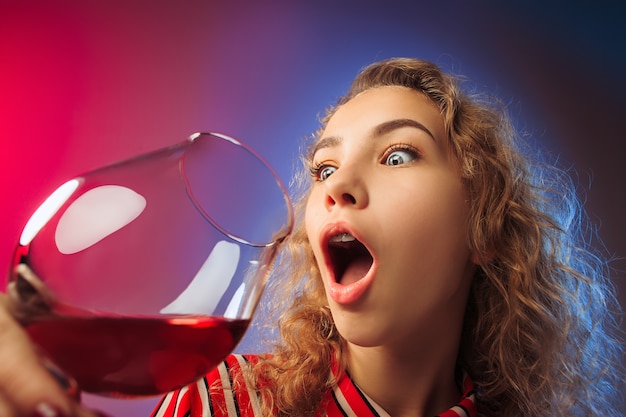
point(539, 337)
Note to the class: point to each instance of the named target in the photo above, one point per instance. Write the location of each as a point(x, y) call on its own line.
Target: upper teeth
point(342, 237)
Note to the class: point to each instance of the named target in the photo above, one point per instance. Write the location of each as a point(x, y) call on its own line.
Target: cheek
point(314, 209)
point(311, 224)
point(437, 215)
point(308, 220)
point(451, 213)
point(434, 254)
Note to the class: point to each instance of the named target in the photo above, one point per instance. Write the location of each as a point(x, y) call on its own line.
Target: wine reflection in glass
point(138, 278)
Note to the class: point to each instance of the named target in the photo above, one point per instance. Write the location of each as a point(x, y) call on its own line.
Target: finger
point(7, 409)
point(24, 382)
point(67, 383)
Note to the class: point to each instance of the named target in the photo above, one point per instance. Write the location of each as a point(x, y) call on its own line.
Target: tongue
point(355, 271)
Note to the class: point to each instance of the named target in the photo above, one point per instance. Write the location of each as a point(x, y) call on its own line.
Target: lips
point(349, 263)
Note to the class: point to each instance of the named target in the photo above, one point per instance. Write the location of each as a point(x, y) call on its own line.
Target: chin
point(362, 335)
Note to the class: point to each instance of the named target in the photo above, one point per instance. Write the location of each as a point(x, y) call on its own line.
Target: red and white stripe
point(345, 400)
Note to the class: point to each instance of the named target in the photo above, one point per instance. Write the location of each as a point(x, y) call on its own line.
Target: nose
point(345, 188)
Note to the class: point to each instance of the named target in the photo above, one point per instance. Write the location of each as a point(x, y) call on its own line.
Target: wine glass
point(138, 278)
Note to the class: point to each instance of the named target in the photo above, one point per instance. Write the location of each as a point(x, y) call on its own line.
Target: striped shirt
point(345, 400)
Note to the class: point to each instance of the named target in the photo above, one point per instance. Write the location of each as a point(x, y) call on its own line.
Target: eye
point(326, 172)
point(399, 155)
point(322, 172)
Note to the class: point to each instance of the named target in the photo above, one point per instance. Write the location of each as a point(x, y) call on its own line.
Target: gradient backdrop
point(85, 83)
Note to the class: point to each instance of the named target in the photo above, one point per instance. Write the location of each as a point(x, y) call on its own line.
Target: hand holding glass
point(140, 277)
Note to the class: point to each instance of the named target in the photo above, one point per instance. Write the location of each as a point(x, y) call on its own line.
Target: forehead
point(382, 104)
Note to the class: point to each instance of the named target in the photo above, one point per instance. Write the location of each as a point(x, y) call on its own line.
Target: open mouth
point(349, 258)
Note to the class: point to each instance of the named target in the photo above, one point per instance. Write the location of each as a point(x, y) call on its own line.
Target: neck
point(407, 382)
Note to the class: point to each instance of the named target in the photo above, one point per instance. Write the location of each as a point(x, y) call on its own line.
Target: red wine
point(128, 356)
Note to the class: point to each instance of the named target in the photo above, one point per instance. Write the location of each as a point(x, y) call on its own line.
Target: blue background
point(85, 83)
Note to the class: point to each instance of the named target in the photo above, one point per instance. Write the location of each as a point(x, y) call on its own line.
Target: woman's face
point(386, 219)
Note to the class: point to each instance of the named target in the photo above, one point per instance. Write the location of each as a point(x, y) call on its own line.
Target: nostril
point(349, 198)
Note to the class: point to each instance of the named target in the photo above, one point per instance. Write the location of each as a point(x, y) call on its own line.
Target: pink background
point(85, 83)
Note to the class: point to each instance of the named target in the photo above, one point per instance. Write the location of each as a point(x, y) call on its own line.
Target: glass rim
point(281, 234)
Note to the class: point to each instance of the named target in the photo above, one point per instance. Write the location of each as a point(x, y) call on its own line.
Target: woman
point(434, 270)
point(437, 272)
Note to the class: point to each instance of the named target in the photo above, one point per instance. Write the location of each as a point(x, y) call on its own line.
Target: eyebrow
point(386, 127)
point(379, 130)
